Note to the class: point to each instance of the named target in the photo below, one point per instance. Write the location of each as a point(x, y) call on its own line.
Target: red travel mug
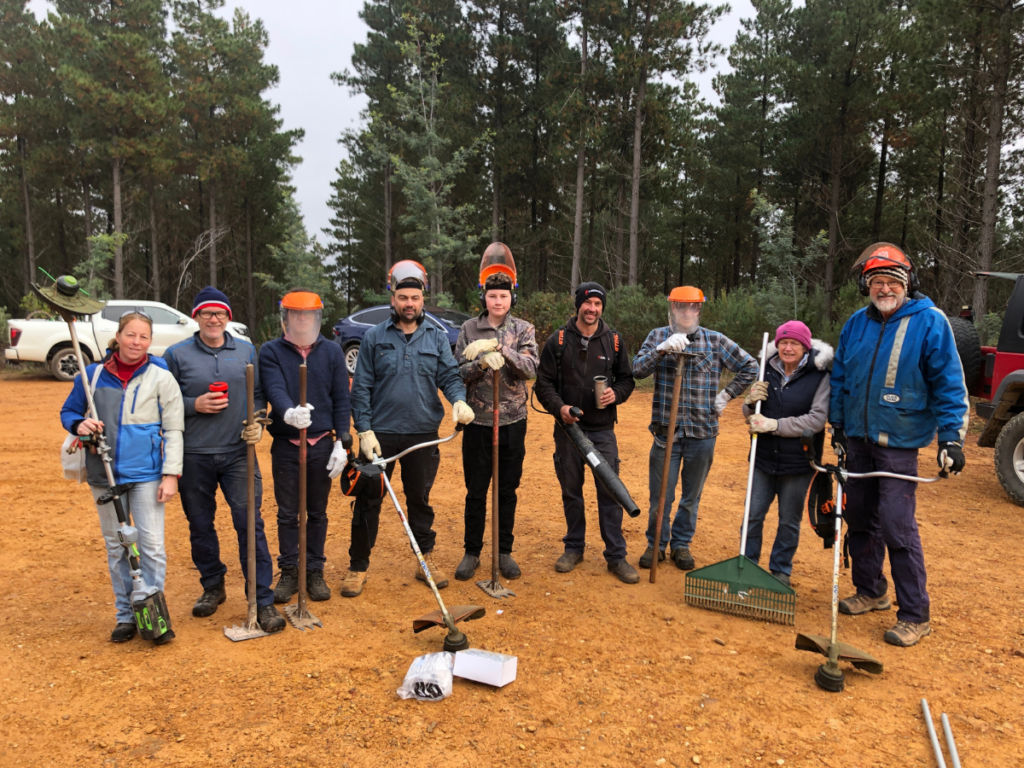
point(221, 387)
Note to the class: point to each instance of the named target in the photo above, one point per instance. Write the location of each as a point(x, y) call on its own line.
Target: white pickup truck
point(49, 341)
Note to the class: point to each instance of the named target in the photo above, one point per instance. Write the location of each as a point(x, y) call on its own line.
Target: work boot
point(440, 580)
point(207, 604)
point(683, 559)
point(783, 577)
point(859, 604)
point(648, 557)
point(907, 633)
point(123, 632)
point(316, 587)
point(353, 584)
point(467, 567)
point(269, 618)
point(568, 561)
point(287, 585)
point(627, 573)
point(508, 567)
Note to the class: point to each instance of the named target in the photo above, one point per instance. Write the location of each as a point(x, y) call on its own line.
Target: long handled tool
point(739, 586)
point(148, 603)
point(250, 630)
point(932, 737)
point(829, 676)
point(494, 587)
point(670, 437)
point(298, 614)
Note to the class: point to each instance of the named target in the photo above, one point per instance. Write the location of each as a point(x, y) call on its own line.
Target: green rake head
point(739, 587)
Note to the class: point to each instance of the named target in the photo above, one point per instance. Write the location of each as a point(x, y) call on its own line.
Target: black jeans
point(419, 469)
point(569, 468)
point(201, 474)
point(284, 462)
point(477, 457)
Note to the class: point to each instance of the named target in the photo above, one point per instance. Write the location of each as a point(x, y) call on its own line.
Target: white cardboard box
point(488, 667)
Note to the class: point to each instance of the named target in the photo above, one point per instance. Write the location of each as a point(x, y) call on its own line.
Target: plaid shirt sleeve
point(739, 362)
point(647, 358)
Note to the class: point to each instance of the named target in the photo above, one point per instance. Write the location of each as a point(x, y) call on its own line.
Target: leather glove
point(462, 413)
point(840, 443)
point(338, 460)
point(476, 348)
point(298, 417)
point(251, 433)
point(492, 360)
point(951, 458)
point(758, 391)
point(761, 424)
point(368, 444)
point(674, 344)
point(722, 398)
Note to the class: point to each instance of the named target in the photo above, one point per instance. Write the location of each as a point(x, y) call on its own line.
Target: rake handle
point(670, 438)
point(753, 454)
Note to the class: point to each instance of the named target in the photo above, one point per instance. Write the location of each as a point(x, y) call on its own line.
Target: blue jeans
point(147, 515)
point(791, 491)
point(201, 475)
point(696, 457)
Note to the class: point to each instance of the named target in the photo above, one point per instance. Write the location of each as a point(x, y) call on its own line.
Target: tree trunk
point(876, 230)
point(119, 248)
point(634, 208)
point(836, 170)
point(250, 283)
point(62, 244)
point(152, 244)
point(387, 218)
point(577, 237)
point(213, 233)
point(29, 237)
point(87, 209)
point(619, 232)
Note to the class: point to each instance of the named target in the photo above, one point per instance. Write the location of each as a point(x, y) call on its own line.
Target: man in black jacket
point(585, 348)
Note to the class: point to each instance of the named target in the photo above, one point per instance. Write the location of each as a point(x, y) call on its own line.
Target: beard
point(887, 303)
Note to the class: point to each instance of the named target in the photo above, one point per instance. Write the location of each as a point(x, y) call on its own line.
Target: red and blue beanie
point(590, 291)
point(211, 298)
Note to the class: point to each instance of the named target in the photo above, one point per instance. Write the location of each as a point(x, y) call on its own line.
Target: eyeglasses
point(206, 315)
point(135, 312)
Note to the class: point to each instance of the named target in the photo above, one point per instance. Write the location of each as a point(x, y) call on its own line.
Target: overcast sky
point(310, 39)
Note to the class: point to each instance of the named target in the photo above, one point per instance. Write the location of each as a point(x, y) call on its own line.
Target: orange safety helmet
point(404, 270)
point(303, 300)
point(687, 294)
point(880, 256)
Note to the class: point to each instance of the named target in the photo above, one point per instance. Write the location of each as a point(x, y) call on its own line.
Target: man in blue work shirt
point(402, 363)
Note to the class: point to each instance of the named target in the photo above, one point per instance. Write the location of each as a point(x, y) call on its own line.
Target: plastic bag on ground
point(429, 677)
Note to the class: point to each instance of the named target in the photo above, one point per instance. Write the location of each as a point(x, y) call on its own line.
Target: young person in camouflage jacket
point(494, 341)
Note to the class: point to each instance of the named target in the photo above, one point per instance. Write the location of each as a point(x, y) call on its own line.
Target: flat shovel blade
point(301, 619)
point(459, 613)
point(495, 589)
point(237, 633)
point(859, 659)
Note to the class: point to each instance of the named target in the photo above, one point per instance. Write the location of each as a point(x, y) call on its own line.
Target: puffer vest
point(784, 455)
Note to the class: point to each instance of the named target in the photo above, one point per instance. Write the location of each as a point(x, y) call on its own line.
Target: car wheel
point(351, 356)
point(968, 347)
point(64, 364)
point(1009, 458)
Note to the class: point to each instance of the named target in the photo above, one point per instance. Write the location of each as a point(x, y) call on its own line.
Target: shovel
point(670, 437)
point(298, 614)
point(250, 630)
point(493, 587)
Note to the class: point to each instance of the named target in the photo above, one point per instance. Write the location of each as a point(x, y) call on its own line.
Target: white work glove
point(674, 344)
point(760, 424)
point(473, 350)
point(368, 444)
point(462, 413)
point(337, 461)
point(720, 401)
point(758, 391)
point(492, 360)
point(298, 417)
point(251, 433)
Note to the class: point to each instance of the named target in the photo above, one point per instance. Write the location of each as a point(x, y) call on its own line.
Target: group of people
point(894, 382)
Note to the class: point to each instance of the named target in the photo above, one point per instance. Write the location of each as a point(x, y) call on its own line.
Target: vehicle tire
point(1009, 459)
point(64, 364)
point(968, 346)
point(351, 356)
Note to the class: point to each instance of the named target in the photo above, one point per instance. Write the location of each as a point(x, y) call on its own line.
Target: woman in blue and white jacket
point(142, 416)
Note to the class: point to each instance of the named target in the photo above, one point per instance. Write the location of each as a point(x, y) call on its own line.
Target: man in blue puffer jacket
point(896, 381)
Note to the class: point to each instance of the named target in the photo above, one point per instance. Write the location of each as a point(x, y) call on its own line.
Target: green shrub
point(547, 311)
point(634, 314)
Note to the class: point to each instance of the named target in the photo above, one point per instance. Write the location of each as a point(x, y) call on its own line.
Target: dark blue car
point(348, 332)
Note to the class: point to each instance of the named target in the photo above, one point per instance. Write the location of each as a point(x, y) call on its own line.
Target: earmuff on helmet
point(880, 256)
point(498, 267)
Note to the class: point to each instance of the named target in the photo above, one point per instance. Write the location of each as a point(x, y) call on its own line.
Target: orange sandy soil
point(608, 674)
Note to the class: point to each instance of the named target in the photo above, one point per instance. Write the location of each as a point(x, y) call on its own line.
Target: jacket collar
point(229, 343)
point(602, 328)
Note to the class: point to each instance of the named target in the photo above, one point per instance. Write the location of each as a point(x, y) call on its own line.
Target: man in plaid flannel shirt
point(704, 352)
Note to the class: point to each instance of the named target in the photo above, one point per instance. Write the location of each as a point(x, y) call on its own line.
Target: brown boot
point(858, 604)
point(440, 580)
point(906, 633)
point(353, 584)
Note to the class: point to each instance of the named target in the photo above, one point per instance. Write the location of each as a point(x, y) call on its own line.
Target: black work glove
point(951, 457)
point(840, 442)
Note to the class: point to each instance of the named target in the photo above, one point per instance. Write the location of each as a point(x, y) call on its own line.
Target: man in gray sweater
point(215, 452)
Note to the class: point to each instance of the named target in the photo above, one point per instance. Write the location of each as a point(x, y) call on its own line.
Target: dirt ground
point(608, 674)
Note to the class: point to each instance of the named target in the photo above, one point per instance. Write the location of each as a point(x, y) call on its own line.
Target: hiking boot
point(467, 567)
point(316, 587)
point(269, 618)
point(627, 573)
point(440, 580)
point(123, 632)
point(287, 585)
point(353, 584)
point(568, 561)
point(783, 577)
point(907, 633)
point(207, 604)
point(508, 567)
point(683, 559)
point(648, 557)
point(859, 604)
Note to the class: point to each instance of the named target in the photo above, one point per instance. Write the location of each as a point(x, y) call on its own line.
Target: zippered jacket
point(897, 382)
point(519, 348)
point(143, 422)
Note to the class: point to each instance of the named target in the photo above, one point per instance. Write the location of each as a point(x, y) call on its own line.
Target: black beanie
point(589, 291)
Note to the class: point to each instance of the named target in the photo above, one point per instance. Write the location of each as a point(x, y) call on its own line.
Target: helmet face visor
point(497, 260)
point(881, 255)
point(684, 316)
point(407, 274)
point(301, 326)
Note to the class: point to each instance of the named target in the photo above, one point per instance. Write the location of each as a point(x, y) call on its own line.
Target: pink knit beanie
point(795, 330)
